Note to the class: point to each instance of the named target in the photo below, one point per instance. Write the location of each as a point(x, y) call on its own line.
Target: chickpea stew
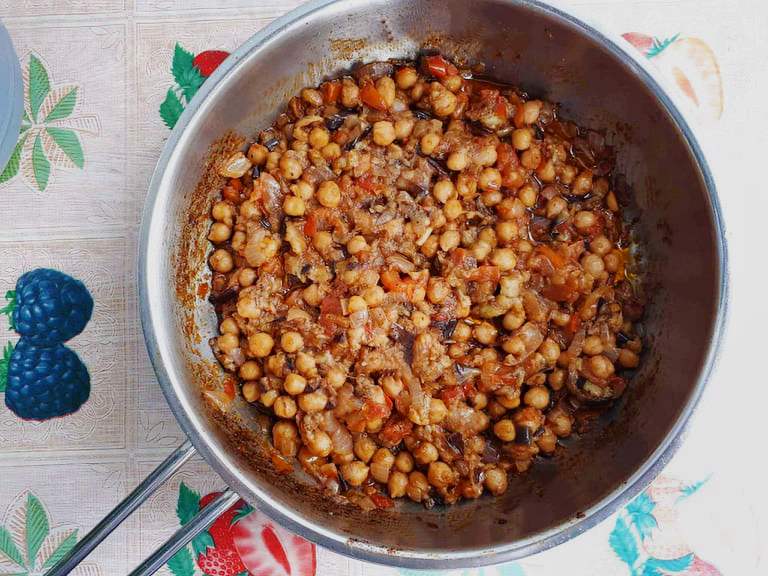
point(422, 276)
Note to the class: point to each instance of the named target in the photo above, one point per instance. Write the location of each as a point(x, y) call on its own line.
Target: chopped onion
point(340, 436)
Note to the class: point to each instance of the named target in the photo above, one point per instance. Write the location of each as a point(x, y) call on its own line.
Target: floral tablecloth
point(104, 80)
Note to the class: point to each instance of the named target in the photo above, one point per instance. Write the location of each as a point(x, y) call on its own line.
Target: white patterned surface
point(118, 54)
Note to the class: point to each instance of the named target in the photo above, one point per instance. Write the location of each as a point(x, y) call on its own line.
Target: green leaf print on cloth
point(51, 131)
point(30, 546)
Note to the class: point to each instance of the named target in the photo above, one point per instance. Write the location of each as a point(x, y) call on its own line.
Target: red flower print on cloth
point(241, 542)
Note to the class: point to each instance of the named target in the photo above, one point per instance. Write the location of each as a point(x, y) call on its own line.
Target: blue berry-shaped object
point(45, 381)
point(50, 307)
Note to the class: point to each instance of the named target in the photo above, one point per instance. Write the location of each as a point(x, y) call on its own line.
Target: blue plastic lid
point(11, 94)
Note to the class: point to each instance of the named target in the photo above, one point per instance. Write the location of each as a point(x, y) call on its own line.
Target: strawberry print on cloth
point(241, 542)
point(691, 66)
point(189, 72)
point(51, 129)
point(30, 546)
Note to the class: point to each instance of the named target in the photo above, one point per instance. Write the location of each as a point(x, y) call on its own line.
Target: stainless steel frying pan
point(599, 83)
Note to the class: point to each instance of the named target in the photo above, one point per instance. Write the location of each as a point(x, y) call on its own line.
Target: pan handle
point(116, 517)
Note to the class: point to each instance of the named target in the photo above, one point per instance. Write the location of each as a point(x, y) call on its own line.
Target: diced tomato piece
point(331, 92)
point(367, 181)
point(236, 183)
point(331, 304)
point(395, 429)
point(439, 67)
point(558, 261)
point(229, 388)
point(486, 273)
point(371, 97)
point(469, 389)
point(501, 108)
point(451, 394)
point(373, 410)
point(494, 375)
point(390, 279)
point(310, 226)
point(202, 290)
point(460, 257)
point(573, 325)
point(381, 501)
point(567, 292)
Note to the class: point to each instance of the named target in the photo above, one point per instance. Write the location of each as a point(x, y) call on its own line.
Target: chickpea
point(285, 438)
point(356, 304)
point(290, 167)
point(547, 441)
point(392, 386)
point(284, 407)
point(495, 481)
point(531, 110)
point(600, 245)
point(628, 358)
point(397, 484)
point(293, 206)
point(406, 77)
point(291, 341)
point(440, 475)
point(528, 417)
point(221, 261)
point(260, 344)
point(383, 133)
point(593, 345)
point(485, 333)
point(449, 240)
point(269, 397)
point(457, 161)
point(319, 137)
point(592, 264)
point(429, 248)
point(374, 295)
point(336, 377)
point(521, 138)
point(504, 430)
point(331, 151)
point(418, 486)
point(429, 142)
point(350, 93)
point(462, 332)
point(319, 444)
point(443, 101)
point(560, 422)
point(418, 90)
point(555, 206)
point(381, 465)
point(312, 295)
point(294, 384)
point(492, 197)
point(504, 258)
point(228, 343)
point(582, 184)
point(229, 326)
point(354, 472)
point(403, 128)
point(550, 350)
point(257, 154)
point(250, 370)
point(601, 366)
point(466, 185)
point(404, 462)
point(528, 195)
point(546, 171)
point(531, 158)
point(443, 190)
point(357, 244)
point(453, 209)
point(506, 231)
point(489, 179)
point(425, 453)
point(313, 401)
point(453, 82)
point(250, 392)
point(556, 379)
point(584, 220)
point(364, 448)
point(219, 232)
point(386, 89)
point(329, 194)
point(612, 261)
point(420, 320)
point(437, 411)
point(537, 396)
point(480, 250)
point(437, 290)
